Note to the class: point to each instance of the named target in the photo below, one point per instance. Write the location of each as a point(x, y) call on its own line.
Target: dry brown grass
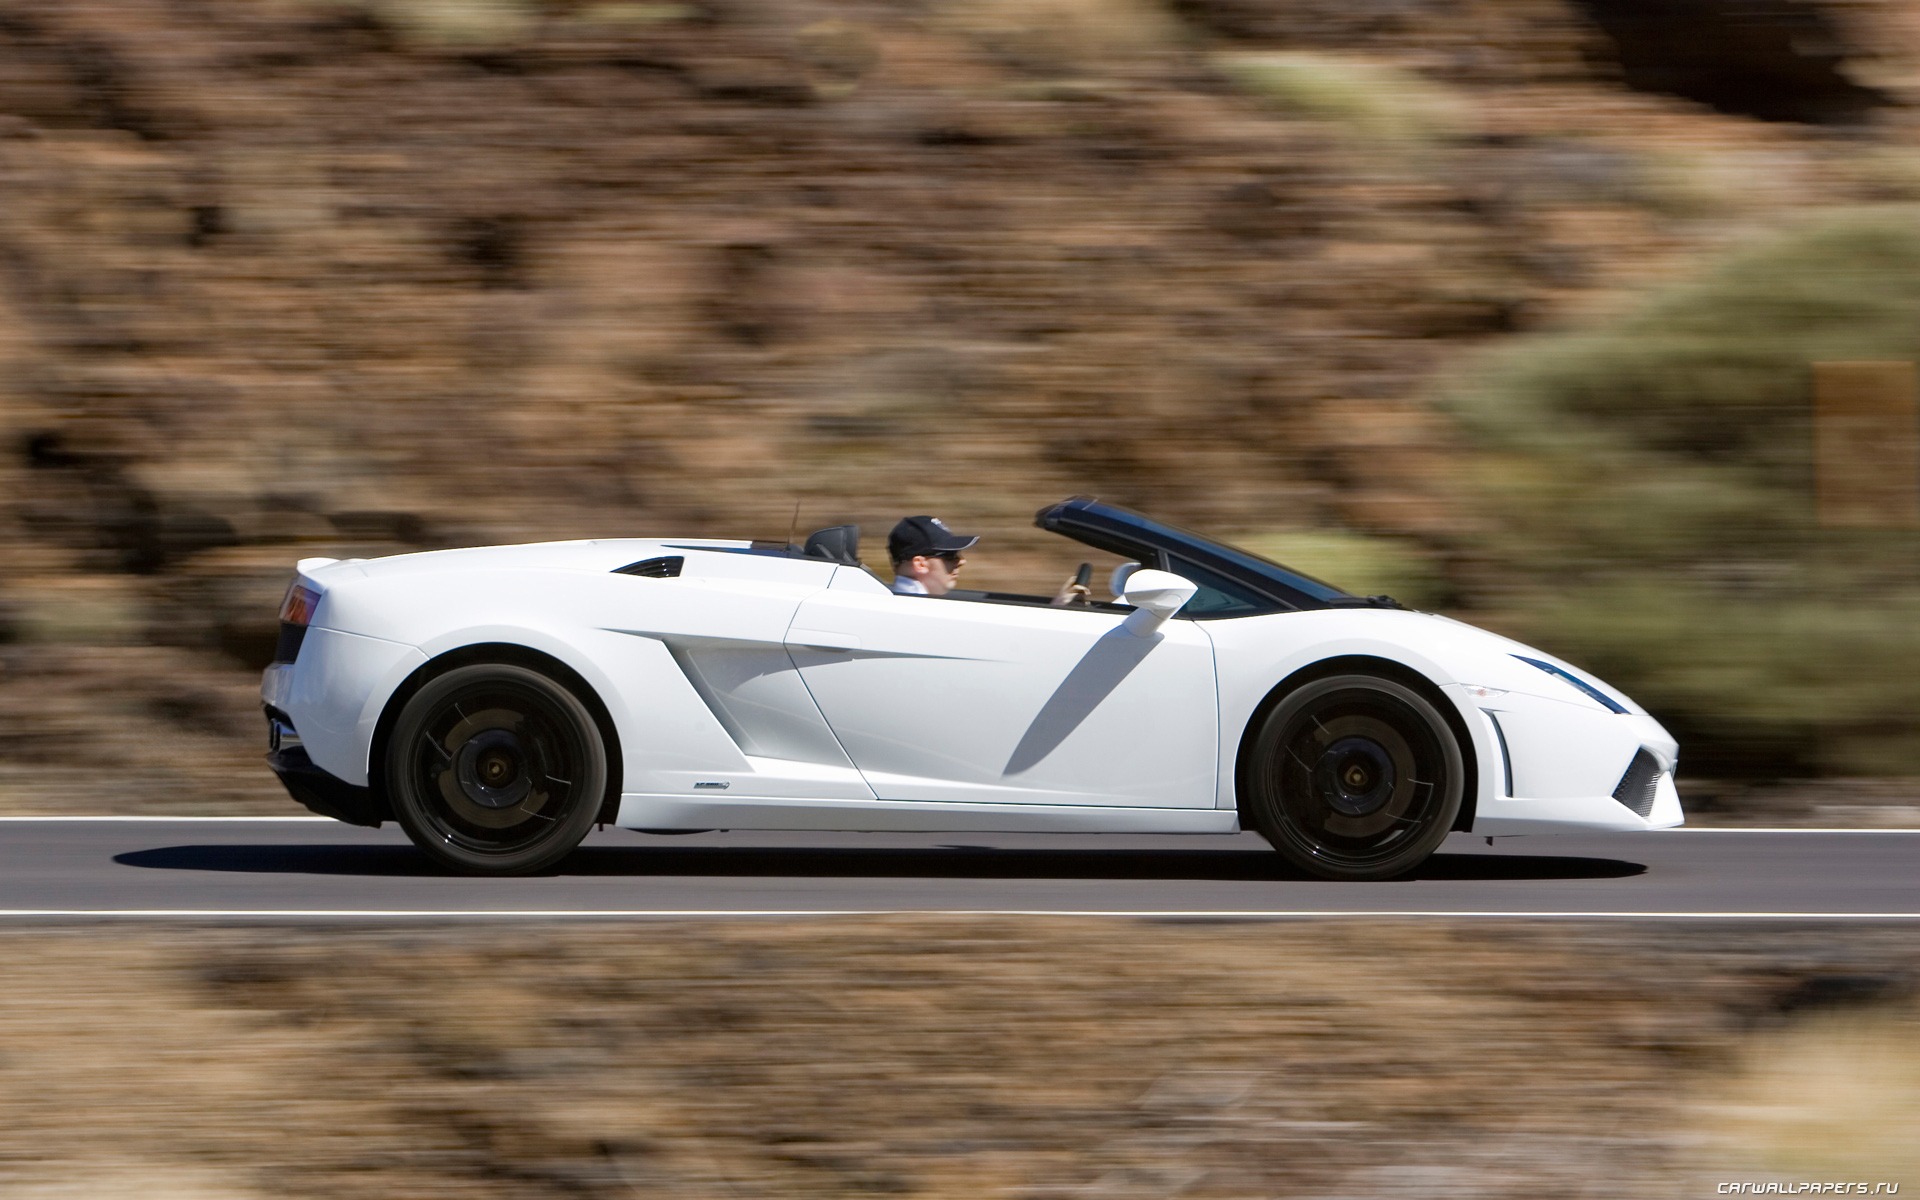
point(920, 1057)
point(1832, 1097)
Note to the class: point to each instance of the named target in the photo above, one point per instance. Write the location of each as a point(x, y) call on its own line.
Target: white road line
point(727, 913)
point(143, 820)
point(136, 820)
point(1767, 829)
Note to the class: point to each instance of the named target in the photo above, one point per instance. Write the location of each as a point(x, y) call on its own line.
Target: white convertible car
point(500, 702)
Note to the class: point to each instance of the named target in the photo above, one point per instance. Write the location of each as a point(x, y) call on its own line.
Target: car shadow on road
point(956, 862)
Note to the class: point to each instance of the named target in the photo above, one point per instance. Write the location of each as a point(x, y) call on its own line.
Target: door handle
point(820, 639)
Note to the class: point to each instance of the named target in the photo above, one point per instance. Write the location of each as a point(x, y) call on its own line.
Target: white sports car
point(500, 702)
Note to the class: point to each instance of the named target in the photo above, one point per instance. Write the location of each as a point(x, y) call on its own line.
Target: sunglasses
point(950, 557)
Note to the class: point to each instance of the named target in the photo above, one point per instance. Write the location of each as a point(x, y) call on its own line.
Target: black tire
point(1355, 777)
point(496, 770)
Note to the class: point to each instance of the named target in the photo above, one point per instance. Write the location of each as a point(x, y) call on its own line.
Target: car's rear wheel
point(1355, 777)
point(494, 769)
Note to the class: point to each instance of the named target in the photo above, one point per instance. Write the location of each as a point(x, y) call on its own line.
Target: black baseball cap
point(924, 535)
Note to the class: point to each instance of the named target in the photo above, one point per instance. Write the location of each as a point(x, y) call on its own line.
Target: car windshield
point(1300, 581)
point(1245, 581)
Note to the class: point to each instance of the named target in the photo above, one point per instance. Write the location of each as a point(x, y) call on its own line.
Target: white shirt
point(905, 586)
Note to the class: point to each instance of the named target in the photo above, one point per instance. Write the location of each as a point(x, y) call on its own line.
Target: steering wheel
point(1080, 579)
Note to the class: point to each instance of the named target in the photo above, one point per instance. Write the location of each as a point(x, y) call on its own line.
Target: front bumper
point(1551, 766)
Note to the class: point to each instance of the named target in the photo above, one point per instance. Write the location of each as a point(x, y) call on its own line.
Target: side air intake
point(1639, 784)
point(655, 568)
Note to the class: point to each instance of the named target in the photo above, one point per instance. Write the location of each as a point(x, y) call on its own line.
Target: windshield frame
point(1163, 547)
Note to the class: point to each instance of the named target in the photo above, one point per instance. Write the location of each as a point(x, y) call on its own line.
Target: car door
point(718, 708)
point(942, 699)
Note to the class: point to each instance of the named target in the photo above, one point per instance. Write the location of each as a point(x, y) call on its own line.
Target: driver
point(927, 557)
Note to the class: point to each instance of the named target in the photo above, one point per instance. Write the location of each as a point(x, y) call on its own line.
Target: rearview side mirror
point(1155, 596)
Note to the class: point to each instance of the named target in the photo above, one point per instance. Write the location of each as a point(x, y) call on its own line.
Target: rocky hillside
point(357, 276)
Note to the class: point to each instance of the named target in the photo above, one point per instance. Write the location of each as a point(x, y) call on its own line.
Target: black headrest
point(836, 543)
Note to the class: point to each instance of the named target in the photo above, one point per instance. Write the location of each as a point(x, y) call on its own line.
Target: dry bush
point(1833, 1096)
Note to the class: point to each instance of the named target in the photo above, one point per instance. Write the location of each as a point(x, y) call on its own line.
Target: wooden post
point(1866, 445)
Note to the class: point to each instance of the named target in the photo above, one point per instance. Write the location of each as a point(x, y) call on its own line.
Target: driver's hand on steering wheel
point(1075, 590)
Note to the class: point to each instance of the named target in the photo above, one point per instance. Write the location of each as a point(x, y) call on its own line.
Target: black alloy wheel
point(496, 770)
point(1355, 777)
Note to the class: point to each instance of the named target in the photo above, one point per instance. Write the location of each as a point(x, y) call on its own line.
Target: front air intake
point(1640, 784)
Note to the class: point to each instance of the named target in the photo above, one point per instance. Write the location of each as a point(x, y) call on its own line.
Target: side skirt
point(638, 811)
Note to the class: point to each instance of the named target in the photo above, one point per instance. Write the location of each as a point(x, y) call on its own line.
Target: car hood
point(1479, 656)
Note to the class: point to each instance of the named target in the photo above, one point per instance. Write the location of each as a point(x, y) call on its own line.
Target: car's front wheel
point(1355, 777)
point(495, 769)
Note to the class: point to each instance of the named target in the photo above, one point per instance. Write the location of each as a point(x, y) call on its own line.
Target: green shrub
point(458, 23)
point(1651, 482)
point(1370, 98)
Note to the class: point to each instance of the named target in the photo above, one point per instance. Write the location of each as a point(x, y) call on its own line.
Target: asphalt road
point(297, 868)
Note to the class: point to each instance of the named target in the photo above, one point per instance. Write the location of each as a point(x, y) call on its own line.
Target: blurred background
point(957, 1058)
point(1591, 321)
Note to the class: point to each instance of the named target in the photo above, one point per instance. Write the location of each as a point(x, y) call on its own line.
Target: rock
point(1779, 60)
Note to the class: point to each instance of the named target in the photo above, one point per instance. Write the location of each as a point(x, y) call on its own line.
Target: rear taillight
point(297, 608)
point(296, 613)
